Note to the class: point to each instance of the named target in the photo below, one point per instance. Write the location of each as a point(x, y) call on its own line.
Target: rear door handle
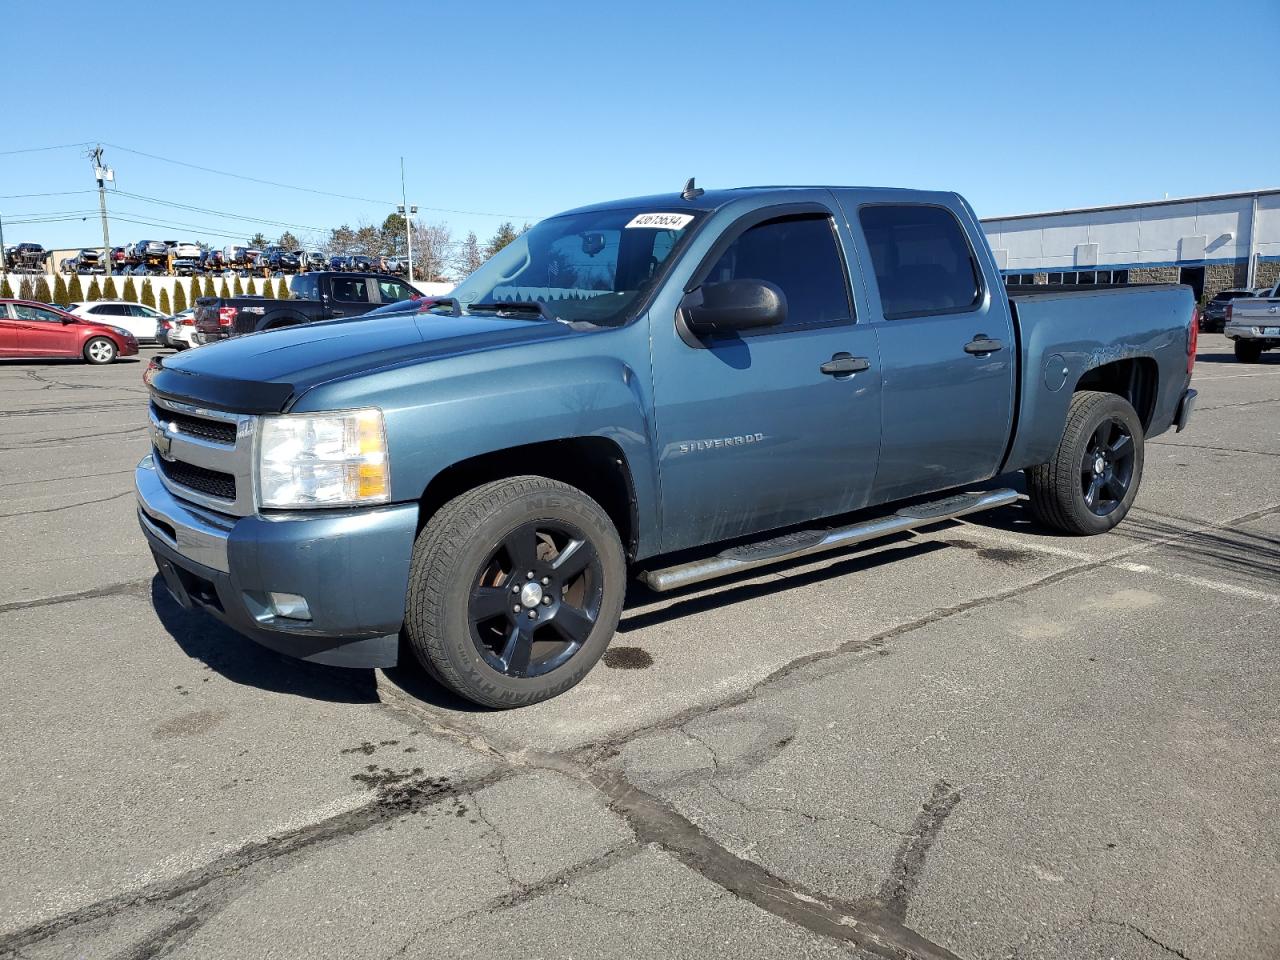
point(981, 344)
point(844, 365)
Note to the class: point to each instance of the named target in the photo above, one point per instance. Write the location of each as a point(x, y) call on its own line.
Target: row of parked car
point(159, 258)
point(102, 330)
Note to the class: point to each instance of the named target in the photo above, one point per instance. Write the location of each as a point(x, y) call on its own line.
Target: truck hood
point(264, 372)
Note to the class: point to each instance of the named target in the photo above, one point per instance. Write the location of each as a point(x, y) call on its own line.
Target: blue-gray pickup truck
point(671, 388)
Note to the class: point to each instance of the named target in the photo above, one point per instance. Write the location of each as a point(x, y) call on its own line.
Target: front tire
point(1092, 480)
point(99, 350)
point(515, 590)
point(1248, 352)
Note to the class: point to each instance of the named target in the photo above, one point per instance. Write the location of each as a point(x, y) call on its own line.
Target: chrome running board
point(789, 546)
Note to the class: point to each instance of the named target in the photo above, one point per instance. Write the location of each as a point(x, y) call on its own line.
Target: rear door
point(348, 297)
point(946, 345)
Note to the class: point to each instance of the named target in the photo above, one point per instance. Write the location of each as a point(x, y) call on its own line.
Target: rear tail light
point(226, 316)
point(1229, 312)
point(1193, 337)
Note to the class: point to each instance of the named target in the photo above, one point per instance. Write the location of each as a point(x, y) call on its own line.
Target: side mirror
point(734, 305)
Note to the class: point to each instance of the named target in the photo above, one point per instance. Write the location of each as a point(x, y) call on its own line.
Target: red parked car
point(29, 329)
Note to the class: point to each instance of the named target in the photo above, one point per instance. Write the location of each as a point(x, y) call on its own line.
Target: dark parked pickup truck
point(316, 296)
point(674, 387)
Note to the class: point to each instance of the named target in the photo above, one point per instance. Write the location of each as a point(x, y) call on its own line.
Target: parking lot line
point(1231, 589)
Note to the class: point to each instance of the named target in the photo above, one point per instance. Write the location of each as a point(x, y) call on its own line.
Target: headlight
point(323, 460)
point(121, 332)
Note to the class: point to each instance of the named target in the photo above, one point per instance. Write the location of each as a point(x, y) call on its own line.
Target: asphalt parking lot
point(983, 740)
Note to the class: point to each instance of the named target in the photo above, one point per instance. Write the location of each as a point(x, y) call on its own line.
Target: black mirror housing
point(734, 305)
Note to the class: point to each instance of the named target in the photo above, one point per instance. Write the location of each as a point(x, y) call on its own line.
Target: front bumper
point(352, 566)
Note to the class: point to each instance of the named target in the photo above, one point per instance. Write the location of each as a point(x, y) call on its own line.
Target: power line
point(59, 146)
point(216, 213)
point(57, 193)
point(323, 193)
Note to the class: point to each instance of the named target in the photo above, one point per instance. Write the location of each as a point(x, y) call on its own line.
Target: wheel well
point(594, 465)
point(1135, 380)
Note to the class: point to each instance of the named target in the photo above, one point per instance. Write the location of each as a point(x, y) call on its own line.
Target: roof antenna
point(690, 192)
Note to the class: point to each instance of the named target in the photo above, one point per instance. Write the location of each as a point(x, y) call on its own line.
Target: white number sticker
point(661, 221)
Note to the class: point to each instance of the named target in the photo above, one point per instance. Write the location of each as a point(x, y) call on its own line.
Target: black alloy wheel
point(536, 599)
point(1107, 469)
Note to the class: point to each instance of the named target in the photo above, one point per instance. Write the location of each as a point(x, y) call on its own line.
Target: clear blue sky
point(524, 108)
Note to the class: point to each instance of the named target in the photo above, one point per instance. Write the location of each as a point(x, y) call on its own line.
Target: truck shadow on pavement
point(240, 660)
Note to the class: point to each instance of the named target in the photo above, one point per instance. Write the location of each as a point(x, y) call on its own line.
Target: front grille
point(215, 431)
point(211, 483)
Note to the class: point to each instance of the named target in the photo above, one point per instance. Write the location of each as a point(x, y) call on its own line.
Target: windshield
point(587, 267)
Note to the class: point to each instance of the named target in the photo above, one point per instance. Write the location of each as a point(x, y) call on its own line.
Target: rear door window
point(350, 289)
point(923, 262)
point(306, 288)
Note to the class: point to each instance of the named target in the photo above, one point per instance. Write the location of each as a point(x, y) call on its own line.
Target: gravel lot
point(984, 740)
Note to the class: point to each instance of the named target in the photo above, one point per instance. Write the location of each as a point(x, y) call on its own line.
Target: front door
point(753, 435)
point(42, 332)
point(947, 348)
point(8, 332)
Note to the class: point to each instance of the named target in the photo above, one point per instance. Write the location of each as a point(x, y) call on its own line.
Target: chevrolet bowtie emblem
point(163, 439)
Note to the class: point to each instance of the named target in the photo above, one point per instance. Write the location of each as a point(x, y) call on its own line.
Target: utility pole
point(103, 174)
point(407, 212)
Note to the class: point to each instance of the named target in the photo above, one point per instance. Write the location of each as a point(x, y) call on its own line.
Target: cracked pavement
point(981, 740)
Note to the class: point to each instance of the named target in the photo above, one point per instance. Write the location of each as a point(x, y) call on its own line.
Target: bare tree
point(469, 256)
point(432, 248)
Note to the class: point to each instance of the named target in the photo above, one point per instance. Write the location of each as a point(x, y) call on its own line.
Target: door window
point(111, 310)
point(923, 261)
point(799, 255)
point(24, 311)
point(306, 288)
point(350, 289)
point(393, 291)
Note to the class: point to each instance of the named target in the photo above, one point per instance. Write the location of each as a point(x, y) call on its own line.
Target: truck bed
point(1065, 330)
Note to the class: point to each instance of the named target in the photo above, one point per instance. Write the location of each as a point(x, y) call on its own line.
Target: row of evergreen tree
point(64, 293)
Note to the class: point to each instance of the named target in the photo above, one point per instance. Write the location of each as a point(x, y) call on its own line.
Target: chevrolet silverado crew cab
point(1254, 324)
point(316, 296)
point(673, 387)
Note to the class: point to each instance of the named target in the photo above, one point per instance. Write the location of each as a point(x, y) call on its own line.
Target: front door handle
point(844, 365)
point(981, 344)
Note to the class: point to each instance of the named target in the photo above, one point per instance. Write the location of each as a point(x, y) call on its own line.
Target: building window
point(1055, 278)
point(1120, 276)
point(1087, 276)
point(1104, 276)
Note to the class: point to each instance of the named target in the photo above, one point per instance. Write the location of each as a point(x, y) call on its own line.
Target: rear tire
point(1091, 481)
point(515, 589)
point(99, 350)
point(1248, 352)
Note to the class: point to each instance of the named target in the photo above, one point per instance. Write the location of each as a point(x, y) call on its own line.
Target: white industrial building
point(1210, 243)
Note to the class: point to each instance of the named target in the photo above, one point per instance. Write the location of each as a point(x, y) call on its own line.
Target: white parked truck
point(1254, 324)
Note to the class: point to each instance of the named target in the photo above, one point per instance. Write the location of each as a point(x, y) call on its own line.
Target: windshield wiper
point(516, 307)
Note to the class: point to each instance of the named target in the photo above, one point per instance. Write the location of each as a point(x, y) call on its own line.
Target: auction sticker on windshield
point(661, 221)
